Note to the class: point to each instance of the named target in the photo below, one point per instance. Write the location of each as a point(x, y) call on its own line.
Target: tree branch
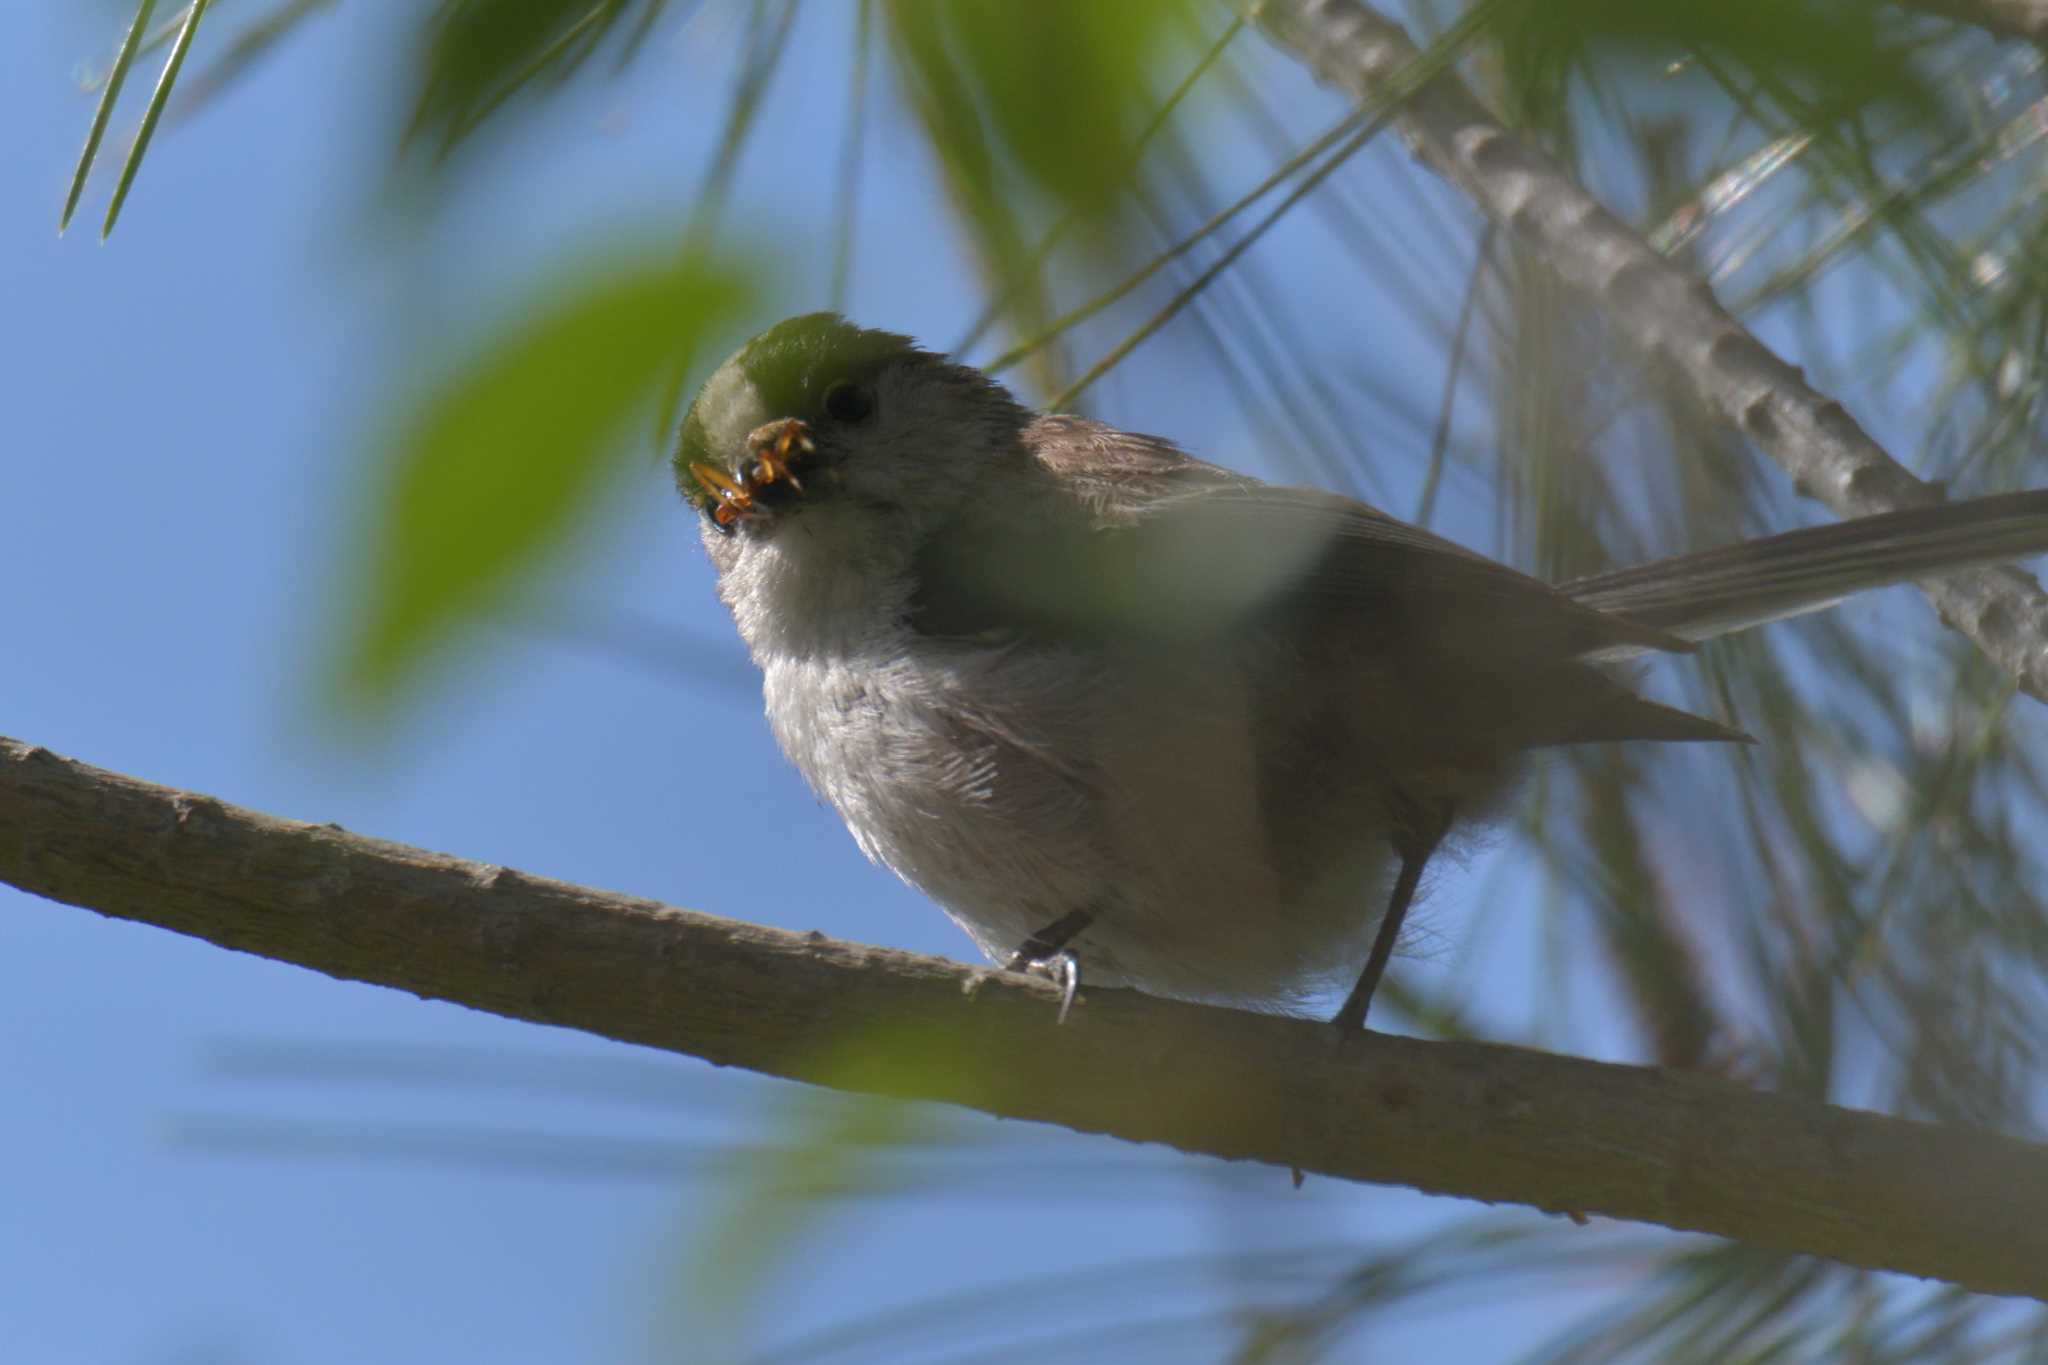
point(1494, 1123)
point(1664, 312)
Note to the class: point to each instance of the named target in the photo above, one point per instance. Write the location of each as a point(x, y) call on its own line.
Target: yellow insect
point(773, 453)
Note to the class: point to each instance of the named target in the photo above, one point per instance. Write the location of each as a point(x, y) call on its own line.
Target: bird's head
point(855, 439)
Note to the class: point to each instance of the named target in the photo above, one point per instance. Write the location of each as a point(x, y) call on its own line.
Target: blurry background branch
point(1492, 1123)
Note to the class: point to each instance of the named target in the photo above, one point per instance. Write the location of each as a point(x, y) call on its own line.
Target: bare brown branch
point(1493, 1123)
point(1666, 313)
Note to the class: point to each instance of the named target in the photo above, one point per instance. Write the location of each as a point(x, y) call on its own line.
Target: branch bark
point(1666, 313)
point(1494, 1123)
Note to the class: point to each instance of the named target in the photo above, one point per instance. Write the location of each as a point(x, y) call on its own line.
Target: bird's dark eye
point(845, 402)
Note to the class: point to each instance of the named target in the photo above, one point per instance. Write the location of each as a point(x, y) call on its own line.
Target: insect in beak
point(773, 452)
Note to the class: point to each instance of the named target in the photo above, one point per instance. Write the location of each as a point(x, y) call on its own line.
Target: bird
point(1116, 708)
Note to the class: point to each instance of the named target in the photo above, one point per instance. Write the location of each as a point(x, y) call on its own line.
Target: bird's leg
point(1045, 954)
point(1418, 829)
point(1050, 940)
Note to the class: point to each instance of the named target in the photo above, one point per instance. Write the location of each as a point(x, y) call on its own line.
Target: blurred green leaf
point(834, 1150)
point(477, 54)
point(1059, 86)
point(507, 450)
point(1047, 99)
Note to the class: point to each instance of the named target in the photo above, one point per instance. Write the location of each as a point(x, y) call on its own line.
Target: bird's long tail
point(1716, 592)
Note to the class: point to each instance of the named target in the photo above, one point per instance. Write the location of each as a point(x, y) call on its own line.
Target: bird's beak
point(774, 451)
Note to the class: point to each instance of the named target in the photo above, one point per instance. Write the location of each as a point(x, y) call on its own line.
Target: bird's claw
point(1063, 969)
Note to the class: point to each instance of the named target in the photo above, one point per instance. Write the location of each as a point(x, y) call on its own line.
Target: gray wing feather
point(1160, 545)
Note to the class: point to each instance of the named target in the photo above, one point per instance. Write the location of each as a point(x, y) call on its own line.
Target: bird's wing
point(1157, 545)
point(1167, 559)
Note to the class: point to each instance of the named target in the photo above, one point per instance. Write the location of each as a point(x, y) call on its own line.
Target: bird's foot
point(1046, 954)
point(1062, 968)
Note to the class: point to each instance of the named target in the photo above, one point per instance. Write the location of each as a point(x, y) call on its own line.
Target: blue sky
point(219, 1158)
